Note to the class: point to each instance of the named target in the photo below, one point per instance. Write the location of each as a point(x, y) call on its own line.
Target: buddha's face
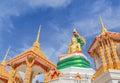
point(73, 40)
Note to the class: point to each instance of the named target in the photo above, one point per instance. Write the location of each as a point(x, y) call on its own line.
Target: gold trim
point(110, 63)
point(102, 56)
point(115, 56)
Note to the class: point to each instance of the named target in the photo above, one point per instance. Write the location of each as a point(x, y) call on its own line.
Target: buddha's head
point(73, 40)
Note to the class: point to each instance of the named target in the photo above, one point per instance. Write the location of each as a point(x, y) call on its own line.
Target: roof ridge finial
point(36, 43)
point(104, 30)
point(4, 59)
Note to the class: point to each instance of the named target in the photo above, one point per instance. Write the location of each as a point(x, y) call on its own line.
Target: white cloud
point(16, 8)
point(99, 6)
point(49, 3)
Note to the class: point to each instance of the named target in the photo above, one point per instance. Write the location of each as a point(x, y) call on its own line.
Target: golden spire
point(104, 30)
point(36, 43)
point(4, 60)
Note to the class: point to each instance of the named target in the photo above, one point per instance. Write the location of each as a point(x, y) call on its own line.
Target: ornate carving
point(77, 76)
point(110, 63)
point(102, 56)
point(114, 53)
point(54, 73)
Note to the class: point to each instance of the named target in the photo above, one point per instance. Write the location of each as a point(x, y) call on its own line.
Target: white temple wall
point(65, 80)
point(109, 76)
point(69, 74)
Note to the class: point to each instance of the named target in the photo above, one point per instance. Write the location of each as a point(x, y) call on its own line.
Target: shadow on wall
point(119, 81)
point(38, 81)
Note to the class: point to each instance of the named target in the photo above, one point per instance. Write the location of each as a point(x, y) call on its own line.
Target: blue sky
point(19, 22)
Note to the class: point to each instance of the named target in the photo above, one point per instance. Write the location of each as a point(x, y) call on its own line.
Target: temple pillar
point(46, 76)
point(28, 73)
point(102, 56)
point(110, 62)
point(95, 57)
point(115, 56)
point(12, 74)
point(95, 61)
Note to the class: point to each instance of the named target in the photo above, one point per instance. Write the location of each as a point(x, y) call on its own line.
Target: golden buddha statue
point(74, 46)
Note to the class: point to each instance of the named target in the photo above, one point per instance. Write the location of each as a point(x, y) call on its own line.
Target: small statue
point(77, 43)
point(74, 46)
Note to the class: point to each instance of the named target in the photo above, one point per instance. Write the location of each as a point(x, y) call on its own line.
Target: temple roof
point(3, 70)
point(34, 51)
point(104, 34)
